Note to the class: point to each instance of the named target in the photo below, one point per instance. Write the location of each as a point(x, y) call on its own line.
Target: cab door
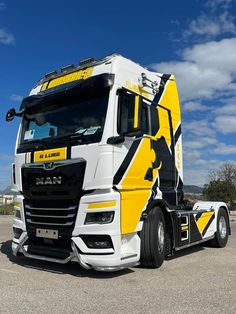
point(134, 159)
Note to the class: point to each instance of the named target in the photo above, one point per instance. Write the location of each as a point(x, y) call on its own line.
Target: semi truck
point(98, 170)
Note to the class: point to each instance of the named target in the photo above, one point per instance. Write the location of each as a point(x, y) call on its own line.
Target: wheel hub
point(161, 236)
point(222, 227)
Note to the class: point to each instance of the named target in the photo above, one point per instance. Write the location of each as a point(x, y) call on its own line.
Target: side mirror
point(11, 114)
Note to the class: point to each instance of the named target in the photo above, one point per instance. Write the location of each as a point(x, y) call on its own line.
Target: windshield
point(81, 121)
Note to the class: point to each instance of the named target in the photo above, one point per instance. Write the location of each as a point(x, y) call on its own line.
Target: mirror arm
point(19, 114)
point(116, 139)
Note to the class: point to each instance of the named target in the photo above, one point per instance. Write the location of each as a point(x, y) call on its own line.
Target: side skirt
point(194, 243)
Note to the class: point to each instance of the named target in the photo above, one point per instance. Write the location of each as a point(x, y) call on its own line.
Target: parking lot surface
point(197, 280)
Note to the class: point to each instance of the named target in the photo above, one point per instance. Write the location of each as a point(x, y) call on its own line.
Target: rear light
point(99, 218)
point(97, 241)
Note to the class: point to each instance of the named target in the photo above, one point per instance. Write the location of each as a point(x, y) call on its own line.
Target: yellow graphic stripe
point(136, 111)
point(170, 100)
point(136, 190)
point(44, 86)
point(203, 220)
point(184, 228)
point(134, 177)
point(67, 78)
point(132, 204)
point(101, 205)
point(164, 129)
point(137, 89)
point(50, 155)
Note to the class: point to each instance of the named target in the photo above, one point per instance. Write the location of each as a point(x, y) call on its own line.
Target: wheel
point(153, 239)
point(222, 232)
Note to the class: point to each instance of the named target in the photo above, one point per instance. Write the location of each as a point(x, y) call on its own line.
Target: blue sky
point(195, 40)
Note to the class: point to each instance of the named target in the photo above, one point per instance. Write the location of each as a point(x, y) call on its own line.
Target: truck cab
point(98, 168)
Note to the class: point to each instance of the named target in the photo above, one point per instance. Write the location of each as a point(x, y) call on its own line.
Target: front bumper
point(99, 263)
point(125, 251)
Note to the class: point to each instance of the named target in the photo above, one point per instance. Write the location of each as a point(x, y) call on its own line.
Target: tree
point(222, 185)
point(227, 172)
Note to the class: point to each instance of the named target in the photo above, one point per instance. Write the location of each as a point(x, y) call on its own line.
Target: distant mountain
point(7, 191)
point(192, 189)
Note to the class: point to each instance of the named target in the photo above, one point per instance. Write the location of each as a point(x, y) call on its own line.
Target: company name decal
point(51, 154)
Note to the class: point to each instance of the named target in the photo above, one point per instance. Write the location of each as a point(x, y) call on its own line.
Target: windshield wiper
point(43, 143)
point(49, 141)
point(76, 136)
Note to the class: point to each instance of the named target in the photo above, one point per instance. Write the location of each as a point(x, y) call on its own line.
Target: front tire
point(153, 239)
point(222, 233)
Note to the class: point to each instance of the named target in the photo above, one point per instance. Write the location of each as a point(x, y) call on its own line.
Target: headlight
point(99, 218)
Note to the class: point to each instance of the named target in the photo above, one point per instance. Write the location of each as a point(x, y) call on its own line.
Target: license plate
point(47, 233)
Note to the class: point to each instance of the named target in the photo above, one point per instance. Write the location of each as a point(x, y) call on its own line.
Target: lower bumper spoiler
point(74, 255)
point(19, 247)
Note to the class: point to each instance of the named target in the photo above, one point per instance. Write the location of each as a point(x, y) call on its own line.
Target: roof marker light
point(86, 61)
point(52, 73)
point(67, 68)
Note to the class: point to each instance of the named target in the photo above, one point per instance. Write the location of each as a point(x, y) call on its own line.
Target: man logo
point(48, 181)
point(48, 165)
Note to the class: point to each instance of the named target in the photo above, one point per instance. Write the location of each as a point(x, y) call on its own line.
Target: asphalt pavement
point(197, 280)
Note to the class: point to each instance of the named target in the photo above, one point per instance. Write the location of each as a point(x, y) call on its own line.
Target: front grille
point(52, 206)
point(59, 215)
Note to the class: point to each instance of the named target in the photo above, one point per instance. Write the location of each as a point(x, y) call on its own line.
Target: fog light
point(99, 218)
point(97, 241)
point(17, 232)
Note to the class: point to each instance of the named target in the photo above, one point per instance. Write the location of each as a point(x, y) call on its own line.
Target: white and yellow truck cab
point(98, 168)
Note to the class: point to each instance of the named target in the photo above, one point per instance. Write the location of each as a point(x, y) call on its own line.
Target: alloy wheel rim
point(161, 236)
point(222, 227)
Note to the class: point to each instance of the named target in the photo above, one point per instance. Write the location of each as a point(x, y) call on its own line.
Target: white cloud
point(198, 143)
point(211, 26)
point(204, 70)
point(190, 155)
point(223, 149)
point(16, 98)
point(6, 37)
point(225, 124)
point(193, 106)
point(202, 128)
point(228, 109)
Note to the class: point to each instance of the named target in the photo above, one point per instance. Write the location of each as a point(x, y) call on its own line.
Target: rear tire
point(222, 233)
point(153, 239)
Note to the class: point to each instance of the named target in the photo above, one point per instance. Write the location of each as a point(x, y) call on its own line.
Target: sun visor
point(72, 89)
